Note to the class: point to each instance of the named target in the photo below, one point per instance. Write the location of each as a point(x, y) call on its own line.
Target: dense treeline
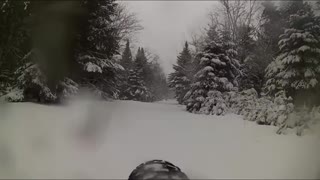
point(51, 49)
point(257, 59)
point(144, 79)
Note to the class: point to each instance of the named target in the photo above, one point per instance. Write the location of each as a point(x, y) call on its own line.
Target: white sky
point(168, 24)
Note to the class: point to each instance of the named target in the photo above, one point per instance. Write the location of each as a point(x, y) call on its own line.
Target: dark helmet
point(157, 170)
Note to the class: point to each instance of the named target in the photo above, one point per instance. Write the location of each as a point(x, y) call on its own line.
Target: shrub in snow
point(300, 120)
point(14, 95)
point(264, 110)
point(32, 83)
point(277, 111)
point(31, 86)
point(282, 106)
point(242, 102)
point(245, 103)
point(69, 88)
point(214, 104)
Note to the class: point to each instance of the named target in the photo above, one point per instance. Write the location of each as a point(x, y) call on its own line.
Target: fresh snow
point(90, 67)
point(308, 73)
point(16, 93)
point(304, 48)
point(46, 142)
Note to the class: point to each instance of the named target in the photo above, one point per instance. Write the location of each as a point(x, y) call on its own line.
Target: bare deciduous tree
point(151, 55)
point(197, 42)
point(126, 22)
point(232, 14)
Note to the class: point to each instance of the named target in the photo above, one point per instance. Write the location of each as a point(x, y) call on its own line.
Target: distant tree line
point(143, 78)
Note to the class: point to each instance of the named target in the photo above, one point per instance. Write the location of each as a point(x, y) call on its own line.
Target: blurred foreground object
point(55, 25)
point(157, 169)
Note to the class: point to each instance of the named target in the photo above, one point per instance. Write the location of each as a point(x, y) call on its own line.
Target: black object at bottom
point(157, 170)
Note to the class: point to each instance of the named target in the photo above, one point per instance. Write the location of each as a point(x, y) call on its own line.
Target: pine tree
point(158, 86)
point(14, 39)
point(273, 24)
point(288, 8)
point(31, 84)
point(91, 63)
point(264, 49)
point(126, 60)
point(98, 44)
point(245, 44)
point(254, 68)
point(218, 74)
point(33, 79)
point(296, 69)
point(181, 78)
point(144, 67)
point(137, 89)
point(141, 63)
point(245, 49)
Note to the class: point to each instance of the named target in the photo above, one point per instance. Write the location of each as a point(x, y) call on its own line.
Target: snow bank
point(59, 142)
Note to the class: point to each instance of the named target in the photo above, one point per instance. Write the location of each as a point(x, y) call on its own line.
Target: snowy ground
point(46, 142)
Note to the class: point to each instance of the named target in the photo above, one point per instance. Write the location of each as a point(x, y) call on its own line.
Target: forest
point(111, 89)
point(49, 50)
point(258, 59)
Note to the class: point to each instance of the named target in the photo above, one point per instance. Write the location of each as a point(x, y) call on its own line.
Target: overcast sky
point(168, 24)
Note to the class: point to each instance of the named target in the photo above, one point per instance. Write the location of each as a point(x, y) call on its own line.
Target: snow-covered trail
point(45, 142)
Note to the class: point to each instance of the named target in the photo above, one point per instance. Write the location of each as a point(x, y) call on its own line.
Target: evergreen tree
point(126, 60)
point(245, 48)
point(14, 39)
point(31, 84)
point(218, 74)
point(245, 44)
point(158, 86)
point(98, 44)
point(35, 78)
point(254, 68)
point(273, 24)
point(181, 78)
point(263, 50)
point(212, 34)
point(296, 69)
point(144, 67)
point(137, 89)
point(84, 34)
point(141, 63)
point(288, 8)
